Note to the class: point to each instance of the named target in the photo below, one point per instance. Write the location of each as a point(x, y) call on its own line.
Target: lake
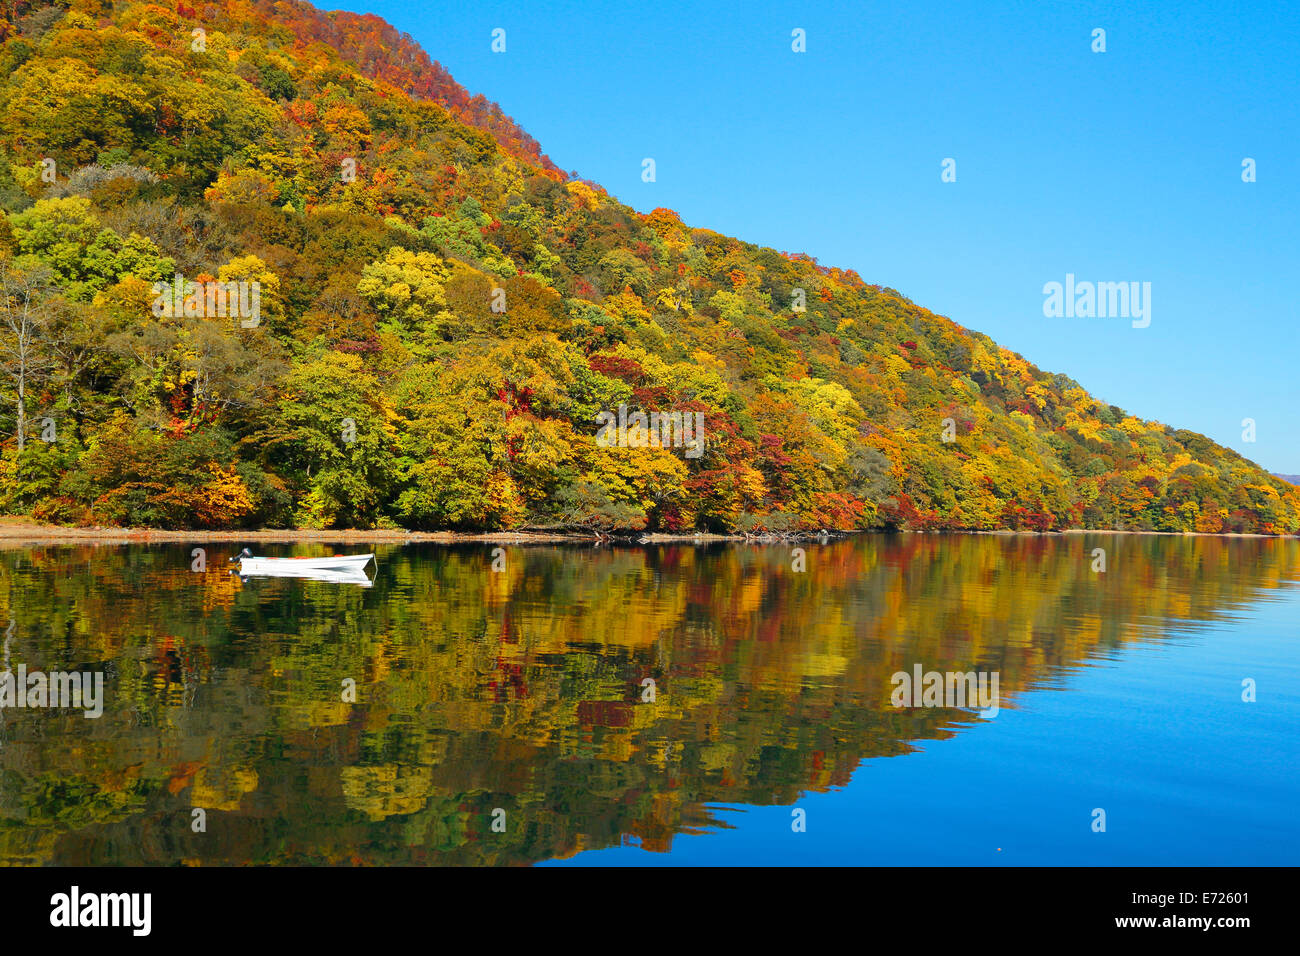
point(675, 704)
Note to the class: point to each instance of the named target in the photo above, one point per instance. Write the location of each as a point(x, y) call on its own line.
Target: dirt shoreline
point(21, 532)
point(51, 533)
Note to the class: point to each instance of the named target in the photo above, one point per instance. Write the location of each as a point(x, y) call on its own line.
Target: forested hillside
point(442, 316)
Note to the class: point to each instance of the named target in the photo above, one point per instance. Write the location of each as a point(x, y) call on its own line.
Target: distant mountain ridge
point(445, 320)
point(384, 53)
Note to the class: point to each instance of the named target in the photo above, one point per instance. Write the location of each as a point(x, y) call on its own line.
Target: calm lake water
point(516, 698)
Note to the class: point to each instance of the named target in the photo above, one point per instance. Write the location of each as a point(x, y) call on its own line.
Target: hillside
point(441, 317)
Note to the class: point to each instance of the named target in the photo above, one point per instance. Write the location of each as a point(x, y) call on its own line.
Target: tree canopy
point(442, 315)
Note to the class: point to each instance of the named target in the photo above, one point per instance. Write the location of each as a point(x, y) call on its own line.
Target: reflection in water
point(329, 575)
point(524, 690)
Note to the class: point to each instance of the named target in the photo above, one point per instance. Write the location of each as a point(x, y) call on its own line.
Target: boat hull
point(339, 569)
point(339, 562)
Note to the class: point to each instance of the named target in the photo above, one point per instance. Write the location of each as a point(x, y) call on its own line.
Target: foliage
point(428, 276)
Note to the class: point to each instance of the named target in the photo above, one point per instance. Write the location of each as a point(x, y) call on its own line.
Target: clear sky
point(1116, 166)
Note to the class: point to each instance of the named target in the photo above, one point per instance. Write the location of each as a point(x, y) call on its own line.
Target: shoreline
point(24, 532)
point(34, 533)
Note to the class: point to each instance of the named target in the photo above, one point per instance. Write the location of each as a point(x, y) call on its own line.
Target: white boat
point(339, 568)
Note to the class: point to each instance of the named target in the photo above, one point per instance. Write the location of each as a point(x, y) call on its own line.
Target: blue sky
point(1115, 166)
